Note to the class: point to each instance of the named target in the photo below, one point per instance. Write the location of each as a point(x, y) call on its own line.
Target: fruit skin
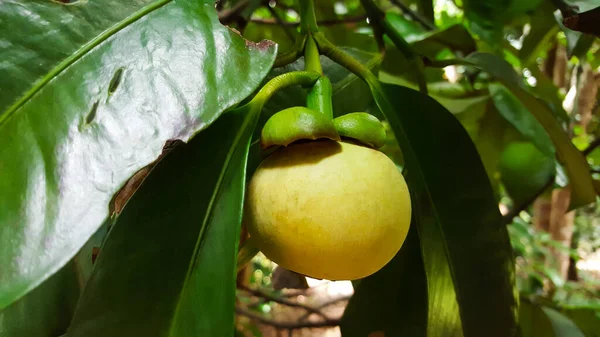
point(525, 170)
point(328, 210)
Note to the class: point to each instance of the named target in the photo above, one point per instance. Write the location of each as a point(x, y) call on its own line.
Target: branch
point(287, 325)
point(593, 145)
point(283, 301)
point(228, 14)
point(326, 304)
point(331, 22)
point(280, 21)
point(507, 219)
point(413, 15)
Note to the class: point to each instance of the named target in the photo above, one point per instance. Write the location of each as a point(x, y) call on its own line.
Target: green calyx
point(297, 123)
point(363, 127)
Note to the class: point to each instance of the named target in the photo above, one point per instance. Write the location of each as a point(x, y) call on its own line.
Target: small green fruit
point(525, 170)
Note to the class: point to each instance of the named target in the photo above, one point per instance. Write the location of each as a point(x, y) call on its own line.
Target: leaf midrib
point(78, 54)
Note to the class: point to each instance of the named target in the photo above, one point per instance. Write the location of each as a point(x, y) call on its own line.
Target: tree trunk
point(561, 229)
point(559, 73)
point(541, 213)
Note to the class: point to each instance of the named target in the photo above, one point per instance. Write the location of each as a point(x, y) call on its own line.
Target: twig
point(507, 219)
point(280, 21)
point(326, 304)
point(413, 15)
point(329, 22)
point(593, 145)
point(287, 325)
point(227, 15)
point(283, 301)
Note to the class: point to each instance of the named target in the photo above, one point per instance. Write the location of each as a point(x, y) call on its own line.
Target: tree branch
point(287, 325)
point(283, 301)
point(332, 22)
point(280, 21)
point(413, 15)
point(326, 304)
point(507, 219)
point(227, 15)
point(593, 145)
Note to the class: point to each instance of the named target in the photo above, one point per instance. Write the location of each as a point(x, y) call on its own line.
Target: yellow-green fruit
point(327, 209)
point(525, 170)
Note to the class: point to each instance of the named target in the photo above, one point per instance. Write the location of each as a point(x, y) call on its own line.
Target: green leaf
point(168, 265)
point(393, 300)
point(541, 321)
point(487, 18)
point(47, 310)
point(430, 43)
point(562, 325)
point(465, 246)
point(74, 136)
point(490, 139)
point(543, 30)
point(517, 114)
point(576, 165)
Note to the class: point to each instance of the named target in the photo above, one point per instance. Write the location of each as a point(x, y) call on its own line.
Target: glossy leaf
point(576, 165)
point(110, 91)
point(517, 114)
point(47, 310)
point(465, 246)
point(392, 301)
point(168, 265)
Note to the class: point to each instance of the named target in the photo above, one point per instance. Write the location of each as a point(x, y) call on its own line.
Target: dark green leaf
point(47, 310)
point(465, 246)
point(487, 18)
point(576, 165)
point(393, 300)
point(586, 319)
point(517, 114)
point(168, 265)
point(490, 138)
point(72, 139)
point(430, 43)
point(543, 29)
point(541, 321)
point(562, 325)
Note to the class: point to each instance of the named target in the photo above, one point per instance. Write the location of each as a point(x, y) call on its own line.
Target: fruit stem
point(279, 82)
point(319, 97)
point(293, 54)
point(308, 19)
point(377, 17)
point(311, 56)
point(339, 56)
